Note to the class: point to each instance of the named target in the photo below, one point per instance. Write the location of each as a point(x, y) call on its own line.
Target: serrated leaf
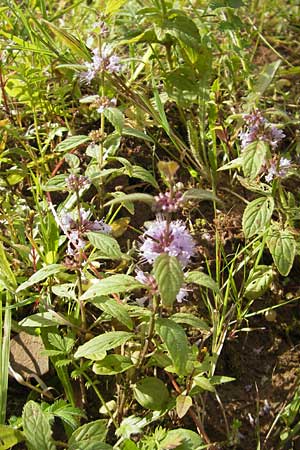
point(145, 198)
point(254, 156)
point(202, 279)
point(72, 142)
point(151, 393)
point(169, 277)
point(282, 246)
point(143, 174)
point(36, 426)
point(112, 364)
point(257, 215)
point(57, 183)
point(115, 117)
point(258, 281)
point(203, 383)
point(41, 275)
point(9, 437)
point(175, 340)
point(114, 284)
point(104, 342)
point(114, 309)
point(190, 319)
point(108, 246)
point(183, 404)
point(66, 412)
point(92, 431)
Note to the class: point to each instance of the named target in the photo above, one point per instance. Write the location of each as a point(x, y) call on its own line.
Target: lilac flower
point(167, 202)
point(76, 182)
point(277, 170)
point(75, 229)
point(259, 128)
point(149, 281)
point(101, 63)
point(172, 238)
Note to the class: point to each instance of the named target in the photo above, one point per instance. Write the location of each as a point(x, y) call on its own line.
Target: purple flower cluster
point(76, 182)
point(75, 229)
point(171, 238)
point(168, 202)
point(277, 168)
point(259, 128)
point(101, 63)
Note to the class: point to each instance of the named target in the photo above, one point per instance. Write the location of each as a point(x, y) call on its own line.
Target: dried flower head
point(172, 238)
point(102, 103)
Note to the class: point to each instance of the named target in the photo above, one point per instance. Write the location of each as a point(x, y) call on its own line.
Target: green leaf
point(41, 275)
point(221, 379)
point(200, 195)
point(264, 80)
point(72, 142)
point(112, 364)
point(183, 404)
point(182, 439)
point(7, 277)
point(282, 246)
point(169, 276)
point(69, 40)
point(174, 338)
point(190, 319)
point(137, 133)
point(104, 342)
point(92, 431)
point(115, 117)
point(57, 183)
point(113, 308)
point(37, 428)
point(259, 279)
point(114, 284)
point(45, 319)
point(234, 164)
point(254, 156)
point(203, 383)
point(112, 6)
point(108, 246)
point(143, 174)
point(151, 393)
point(146, 198)
point(257, 215)
point(202, 279)
point(9, 437)
point(66, 412)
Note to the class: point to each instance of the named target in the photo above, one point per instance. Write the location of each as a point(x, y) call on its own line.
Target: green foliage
point(82, 144)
